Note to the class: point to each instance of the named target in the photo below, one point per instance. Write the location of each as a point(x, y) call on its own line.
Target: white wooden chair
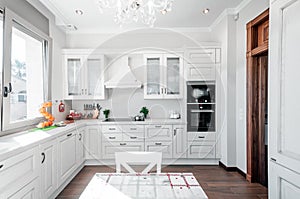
point(138, 158)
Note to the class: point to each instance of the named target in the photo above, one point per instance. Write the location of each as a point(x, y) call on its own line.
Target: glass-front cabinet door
point(164, 76)
point(154, 73)
point(74, 77)
point(174, 76)
point(84, 75)
point(95, 76)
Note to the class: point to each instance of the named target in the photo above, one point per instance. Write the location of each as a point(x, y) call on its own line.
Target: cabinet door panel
point(159, 132)
point(110, 148)
point(29, 191)
point(95, 76)
point(92, 143)
point(164, 147)
point(198, 72)
point(67, 156)
point(48, 168)
point(201, 150)
point(201, 56)
point(74, 75)
point(154, 74)
point(179, 142)
point(80, 146)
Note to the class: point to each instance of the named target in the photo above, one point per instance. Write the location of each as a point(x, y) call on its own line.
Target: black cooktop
point(118, 120)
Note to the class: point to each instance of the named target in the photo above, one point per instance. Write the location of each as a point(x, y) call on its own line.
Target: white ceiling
point(185, 14)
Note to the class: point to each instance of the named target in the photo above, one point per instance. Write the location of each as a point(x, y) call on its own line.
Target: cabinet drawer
point(201, 72)
point(192, 136)
point(201, 56)
point(112, 136)
point(109, 148)
point(159, 132)
point(111, 128)
point(132, 128)
point(18, 169)
point(164, 147)
point(201, 150)
point(133, 136)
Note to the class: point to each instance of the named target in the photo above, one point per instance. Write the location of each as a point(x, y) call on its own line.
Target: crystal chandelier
point(128, 11)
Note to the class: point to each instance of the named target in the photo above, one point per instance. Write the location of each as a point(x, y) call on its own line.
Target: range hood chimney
point(121, 75)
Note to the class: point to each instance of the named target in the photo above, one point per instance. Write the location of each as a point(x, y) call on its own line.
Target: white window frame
point(10, 18)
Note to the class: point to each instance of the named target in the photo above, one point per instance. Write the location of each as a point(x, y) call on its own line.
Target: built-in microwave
point(201, 106)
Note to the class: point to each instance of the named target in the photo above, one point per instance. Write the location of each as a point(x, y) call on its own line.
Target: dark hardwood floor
point(215, 181)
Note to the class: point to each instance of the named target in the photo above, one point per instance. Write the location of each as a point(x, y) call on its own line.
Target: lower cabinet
point(18, 175)
point(48, 162)
point(201, 150)
point(160, 146)
point(80, 146)
point(28, 191)
point(179, 141)
point(109, 148)
point(66, 156)
point(92, 143)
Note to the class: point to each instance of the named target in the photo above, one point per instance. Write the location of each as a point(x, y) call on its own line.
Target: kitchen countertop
point(19, 142)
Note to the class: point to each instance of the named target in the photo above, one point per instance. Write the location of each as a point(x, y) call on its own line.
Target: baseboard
point(232, 169)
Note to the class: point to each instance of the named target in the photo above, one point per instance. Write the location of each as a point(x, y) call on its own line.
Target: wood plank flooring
point(215, 181)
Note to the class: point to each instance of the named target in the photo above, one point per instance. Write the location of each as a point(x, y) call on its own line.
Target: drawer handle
point(201, 137)
point(133, 129)
point(1, 166)
point(158, 126)
point(158, 143)
point(80, 137)
point(111, 129)
point(70, 134)
point(44, 157)
point(112, 138)
point(122, 144)
point(133, 137)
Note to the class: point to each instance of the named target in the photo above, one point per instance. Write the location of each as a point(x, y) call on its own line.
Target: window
point(25, 72)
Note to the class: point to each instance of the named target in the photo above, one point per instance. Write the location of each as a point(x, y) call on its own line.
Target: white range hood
point(121, 75)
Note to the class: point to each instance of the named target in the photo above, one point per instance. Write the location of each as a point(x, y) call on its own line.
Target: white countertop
point(18, 142)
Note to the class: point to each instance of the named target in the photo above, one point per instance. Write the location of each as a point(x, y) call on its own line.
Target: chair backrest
point(138, 158)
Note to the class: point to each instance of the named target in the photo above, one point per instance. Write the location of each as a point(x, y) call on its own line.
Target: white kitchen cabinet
point(160, 146)
point(28, 191)
point(83, 74)
point(92, 143)
point(109, 148)
point(66, 156)
point(19, 170)
point(164, 76)
point(201, 64)
point(48, 163)
point(80, 146)
point(201, 150)
point(179, 141)
point(158, 133)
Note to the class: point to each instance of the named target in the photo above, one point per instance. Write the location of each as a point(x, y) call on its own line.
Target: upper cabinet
point(83, 74)
point(201, 64)
point(164, 76)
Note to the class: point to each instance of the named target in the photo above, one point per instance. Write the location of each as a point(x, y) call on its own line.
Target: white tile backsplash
point(128, 102)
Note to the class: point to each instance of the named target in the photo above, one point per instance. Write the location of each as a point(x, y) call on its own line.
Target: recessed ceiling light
point(205, 11)
point(79, 12)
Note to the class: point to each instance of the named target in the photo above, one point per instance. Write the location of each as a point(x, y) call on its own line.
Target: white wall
point(253, 9)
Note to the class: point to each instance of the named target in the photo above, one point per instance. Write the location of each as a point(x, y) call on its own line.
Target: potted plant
point(106, 113)
point(145, 111)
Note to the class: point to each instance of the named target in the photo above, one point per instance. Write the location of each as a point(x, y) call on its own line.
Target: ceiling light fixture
point(205, 11)
point(79, 12)
point(128, 11)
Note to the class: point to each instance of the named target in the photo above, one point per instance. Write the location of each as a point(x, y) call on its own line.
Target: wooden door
point(284, 103)
point(257, 71)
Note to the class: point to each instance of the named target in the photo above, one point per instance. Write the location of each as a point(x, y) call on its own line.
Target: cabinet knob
point(201, 137)
point(122, 144)
point(1, 166)
point(158, 143)
point(158, 126)
point(133, 137)
point(112, 138)
point(111, 129)
point(133, 129)
point(80, 137)
point(70, 134)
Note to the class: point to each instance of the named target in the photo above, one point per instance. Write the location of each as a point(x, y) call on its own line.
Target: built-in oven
point(201, 106)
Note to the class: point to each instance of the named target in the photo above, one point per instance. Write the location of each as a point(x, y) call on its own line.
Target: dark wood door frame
point(257, 56)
